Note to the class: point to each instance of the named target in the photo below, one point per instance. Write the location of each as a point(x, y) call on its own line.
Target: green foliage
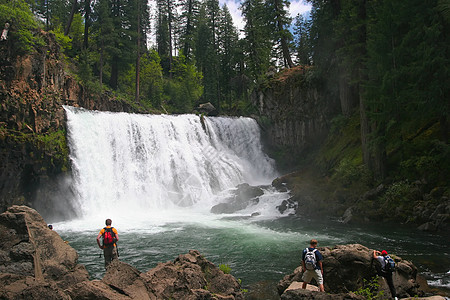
point(432, 164)
point(185, 88)
point(151, 80)
point(55, 145)
point(64, 41)
point(76, 34)
point(85, 61)
point(370, 289)
point(350, 171)
point(398, 192)
point(342, 145)
point(51, 146)
point(22, 25)
point(225, 268)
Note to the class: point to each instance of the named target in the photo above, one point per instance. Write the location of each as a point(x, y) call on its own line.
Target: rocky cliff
point(33, 151)
point(293, 111)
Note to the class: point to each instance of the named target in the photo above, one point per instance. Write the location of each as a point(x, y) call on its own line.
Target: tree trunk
point(72, 12)
point(284, 44)
point(113, 81)
point(187, 46)
point(346, 92)
point(170, 37)
point(365, 130)
point(101, 63)
point(87, 12)
point(138, 54)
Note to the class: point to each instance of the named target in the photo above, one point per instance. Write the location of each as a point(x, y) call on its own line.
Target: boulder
point(33, 255)
point(287, 204)
point(346, 267)
point(244, 196)
point(191, 276)
point(36, 263)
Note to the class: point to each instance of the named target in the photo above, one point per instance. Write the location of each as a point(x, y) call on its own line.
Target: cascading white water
point(150, 164)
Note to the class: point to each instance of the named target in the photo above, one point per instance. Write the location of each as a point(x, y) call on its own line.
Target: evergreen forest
point(386, 61)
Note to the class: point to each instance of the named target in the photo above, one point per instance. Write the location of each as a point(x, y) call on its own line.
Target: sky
point(296, 7)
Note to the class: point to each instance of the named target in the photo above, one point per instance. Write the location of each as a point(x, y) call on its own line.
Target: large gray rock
point(244, 196)
point(347, 266)
point(207, 108)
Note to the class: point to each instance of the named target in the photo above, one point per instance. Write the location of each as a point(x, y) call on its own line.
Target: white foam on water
point(147, 171)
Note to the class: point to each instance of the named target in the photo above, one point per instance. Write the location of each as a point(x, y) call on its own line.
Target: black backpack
point(109, 237)
point(389, 264)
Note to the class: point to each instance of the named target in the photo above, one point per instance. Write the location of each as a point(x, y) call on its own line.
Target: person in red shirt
point(109, 246)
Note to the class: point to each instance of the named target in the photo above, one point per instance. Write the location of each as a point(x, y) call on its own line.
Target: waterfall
point(154, 163)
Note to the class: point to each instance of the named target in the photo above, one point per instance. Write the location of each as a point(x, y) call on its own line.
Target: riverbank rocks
point(347, 267)
point(190, 276)
point(36, 263)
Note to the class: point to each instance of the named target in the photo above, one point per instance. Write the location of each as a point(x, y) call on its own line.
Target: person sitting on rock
point(384, 271)
point(110, 238)
point(312, 265)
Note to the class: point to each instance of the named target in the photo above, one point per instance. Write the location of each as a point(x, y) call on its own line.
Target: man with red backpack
point(110, 237)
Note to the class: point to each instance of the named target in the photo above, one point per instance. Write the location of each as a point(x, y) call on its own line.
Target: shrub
point(225, 268)
point(370, 289)
point(398, 192)
point(349, 172)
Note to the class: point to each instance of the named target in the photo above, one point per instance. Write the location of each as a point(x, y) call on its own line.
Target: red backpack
point(109, 237)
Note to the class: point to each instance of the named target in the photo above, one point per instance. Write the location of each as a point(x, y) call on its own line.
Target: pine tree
point(166, 19)
point(227, 40)
point(302, 44)
point(280, 21)
point(188, 27)
point(257, 39)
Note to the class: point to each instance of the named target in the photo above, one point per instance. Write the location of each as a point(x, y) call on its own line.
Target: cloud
point(299, 7)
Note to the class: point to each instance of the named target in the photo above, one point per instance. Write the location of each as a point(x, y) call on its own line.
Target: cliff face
point(295, 114)
point(33, 148)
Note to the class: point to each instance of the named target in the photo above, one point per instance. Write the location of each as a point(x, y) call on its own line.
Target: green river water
point(259, 252)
